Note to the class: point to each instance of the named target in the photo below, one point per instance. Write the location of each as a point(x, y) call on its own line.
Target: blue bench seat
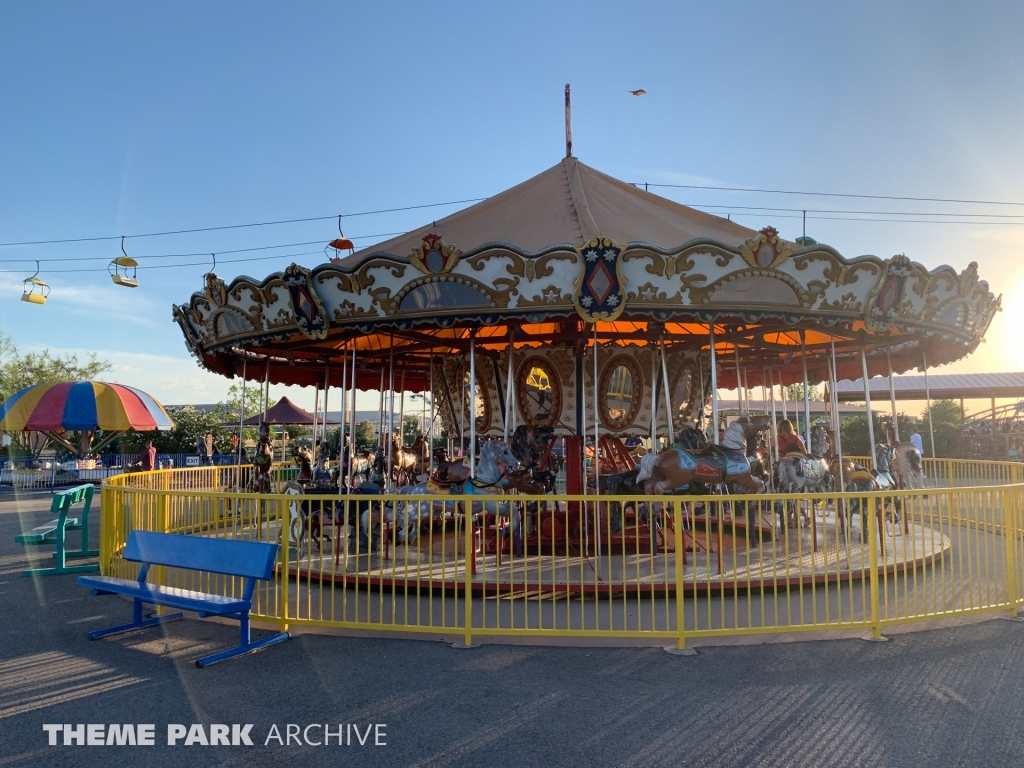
point(172, 597)
point(251, 560)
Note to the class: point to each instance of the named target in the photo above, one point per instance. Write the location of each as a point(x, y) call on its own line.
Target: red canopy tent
point(285, 412)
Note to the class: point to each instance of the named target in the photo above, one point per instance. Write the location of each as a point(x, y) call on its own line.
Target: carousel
point(568, 338)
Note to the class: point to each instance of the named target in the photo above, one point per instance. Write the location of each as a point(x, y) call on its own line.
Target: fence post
point(468, 575)
point(949, 463)
point(1010, 537)
point(284, 584)
point(677, 524)
point(876, 625)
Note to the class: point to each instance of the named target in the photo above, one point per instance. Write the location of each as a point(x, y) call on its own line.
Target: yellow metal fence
point(669, 569)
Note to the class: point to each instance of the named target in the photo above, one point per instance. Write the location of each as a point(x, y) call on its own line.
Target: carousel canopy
point(574, 262)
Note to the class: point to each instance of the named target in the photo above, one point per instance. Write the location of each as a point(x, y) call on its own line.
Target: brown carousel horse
point(680, 467)
point(403, 463)
point(263, 461)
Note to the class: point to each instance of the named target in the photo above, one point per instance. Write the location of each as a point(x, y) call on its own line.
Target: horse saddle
point(455, 473)
point(712, 463)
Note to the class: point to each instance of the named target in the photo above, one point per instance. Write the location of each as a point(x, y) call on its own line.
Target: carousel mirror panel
point(538, 392)
point(621, 388)
point(685, 394)
point(481, 404)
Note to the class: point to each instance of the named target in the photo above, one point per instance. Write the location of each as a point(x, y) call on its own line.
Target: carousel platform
point(714, 560)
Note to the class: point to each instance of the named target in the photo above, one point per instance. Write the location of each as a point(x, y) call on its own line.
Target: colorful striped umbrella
point(82, 406)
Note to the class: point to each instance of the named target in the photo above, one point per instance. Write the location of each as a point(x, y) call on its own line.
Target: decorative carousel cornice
point(437, 285)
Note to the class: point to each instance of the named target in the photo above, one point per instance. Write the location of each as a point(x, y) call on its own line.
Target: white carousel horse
point(492, 479)
point(904, 460)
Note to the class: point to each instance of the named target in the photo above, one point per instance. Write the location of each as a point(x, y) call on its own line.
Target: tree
point(253, 407)
point(946, 422)
point(366, 436)
point(411, 430)
point(19, 371)
point(189, 423)
point(795, 393)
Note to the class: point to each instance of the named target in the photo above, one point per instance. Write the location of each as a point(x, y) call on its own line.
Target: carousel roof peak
point(569, 203)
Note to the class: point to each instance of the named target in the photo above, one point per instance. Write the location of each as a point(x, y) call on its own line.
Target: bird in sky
point(640, 92)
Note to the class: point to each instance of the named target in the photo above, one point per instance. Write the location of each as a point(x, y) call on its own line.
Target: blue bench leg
point(137, 622)
point(243, 649)
point(245, 644)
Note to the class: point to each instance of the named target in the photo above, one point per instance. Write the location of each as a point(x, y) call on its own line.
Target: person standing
point(915, 438)
point(211, 449)
point(149, 457)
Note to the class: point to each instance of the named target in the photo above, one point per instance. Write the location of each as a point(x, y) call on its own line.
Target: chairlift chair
point(340, 243)
point(118, 269)
point(35, 290)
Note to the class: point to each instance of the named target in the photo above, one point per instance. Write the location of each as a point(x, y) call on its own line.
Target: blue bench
point(251, 560)
point(56, 530)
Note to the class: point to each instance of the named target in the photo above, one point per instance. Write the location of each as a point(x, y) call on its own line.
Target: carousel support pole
point(509, 409)
point(430, 432)
point(836, 431)
point(764, 396)
point(327, 385)
point(316, 412)
point(892, 396)
point(928, 399)
point(714, 386)
point(389, 479)
point(266, 391)
point(401, 412)
point(782, 396)
point(654, 402)
point(775, 430)
point(341, 426)
point(807, 394)
point(700, 378)
point(867, 407)
point(668, 398)
point(380, 413)
point(241, 415)
point(472, 405)
point(352, 421)
point(462, 409)
point(739, 377)
point(597, 461)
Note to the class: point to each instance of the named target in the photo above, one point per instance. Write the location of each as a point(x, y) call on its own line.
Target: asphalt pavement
point(941, 697)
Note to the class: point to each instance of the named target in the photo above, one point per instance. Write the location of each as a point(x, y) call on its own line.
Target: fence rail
point(670, 569)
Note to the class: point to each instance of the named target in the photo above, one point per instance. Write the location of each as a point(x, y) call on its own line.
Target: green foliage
point(253, 400)
point(945, 418)
point(946, 422)
point(19, 371)
point(190, 423)
point(795, 393)
point(365, 436)
point(411, 430)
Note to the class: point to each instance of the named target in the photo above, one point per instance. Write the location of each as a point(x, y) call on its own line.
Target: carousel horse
point(323, 460)
point(263, 461)
point(495, 476)
point(361, 464)
point(421, 449)
point(303, 461)
point(904, 460)
point(403, 463)
point(677, 468)
point(529, 444)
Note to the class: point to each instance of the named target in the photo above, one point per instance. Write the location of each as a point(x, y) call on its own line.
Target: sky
point(132, 118)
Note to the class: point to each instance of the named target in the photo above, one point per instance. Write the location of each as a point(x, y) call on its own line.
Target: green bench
point(56, 530)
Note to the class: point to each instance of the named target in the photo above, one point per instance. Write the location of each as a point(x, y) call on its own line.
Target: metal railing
point(666, 568)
